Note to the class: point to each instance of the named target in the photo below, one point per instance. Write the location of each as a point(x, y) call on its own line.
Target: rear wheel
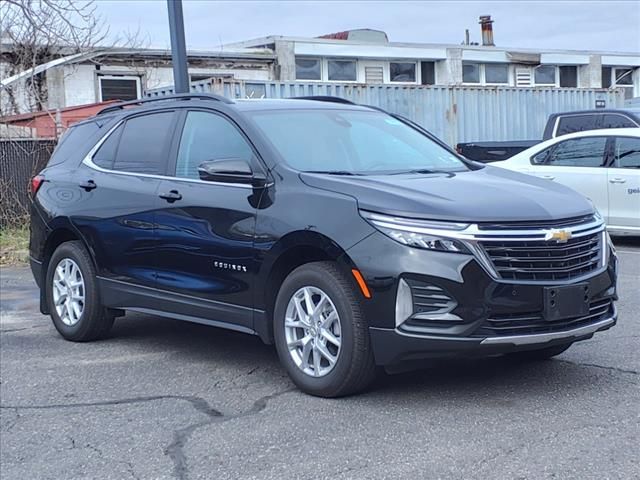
point(542, 354)
point(73, 295)
point(320, 332)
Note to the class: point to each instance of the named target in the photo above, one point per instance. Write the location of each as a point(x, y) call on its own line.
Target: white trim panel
point(368, 51)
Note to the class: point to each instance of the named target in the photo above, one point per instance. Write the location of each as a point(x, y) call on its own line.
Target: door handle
point(171, 196)
point(547, 177)
point(617, 180)
point(88, 185)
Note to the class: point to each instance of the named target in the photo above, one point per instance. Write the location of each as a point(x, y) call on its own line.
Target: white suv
point(603, 165)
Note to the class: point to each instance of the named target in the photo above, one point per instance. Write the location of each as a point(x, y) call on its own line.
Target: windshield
point(352, 142)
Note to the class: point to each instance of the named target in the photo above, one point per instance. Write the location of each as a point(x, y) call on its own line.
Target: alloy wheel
point(313, 331)
point(68, 292)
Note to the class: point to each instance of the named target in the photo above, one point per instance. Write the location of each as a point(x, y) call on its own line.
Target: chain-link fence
point(20, 160)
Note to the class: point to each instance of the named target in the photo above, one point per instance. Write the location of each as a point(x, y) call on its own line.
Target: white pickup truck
point(603, 165)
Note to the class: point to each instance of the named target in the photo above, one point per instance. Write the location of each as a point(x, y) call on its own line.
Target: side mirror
point(229, 170)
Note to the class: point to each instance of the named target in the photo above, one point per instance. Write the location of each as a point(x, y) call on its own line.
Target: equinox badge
point(560, 236)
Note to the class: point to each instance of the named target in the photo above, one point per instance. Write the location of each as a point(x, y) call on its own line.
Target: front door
point(205, 230)
point(579, 163)
point(624, 184)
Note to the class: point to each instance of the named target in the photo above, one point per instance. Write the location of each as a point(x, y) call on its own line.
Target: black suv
point(349, 237)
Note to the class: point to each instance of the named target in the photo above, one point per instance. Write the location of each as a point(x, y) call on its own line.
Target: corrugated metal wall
point(454, 114)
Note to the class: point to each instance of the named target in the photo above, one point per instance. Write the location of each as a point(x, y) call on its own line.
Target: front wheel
point(320, 331)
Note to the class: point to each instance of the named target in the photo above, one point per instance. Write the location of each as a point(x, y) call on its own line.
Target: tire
point(354, 368)
point(542, 354)
point(93, 322)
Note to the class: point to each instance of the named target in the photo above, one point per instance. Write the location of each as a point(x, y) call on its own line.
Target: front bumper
point(481, 304)
point(392, 347)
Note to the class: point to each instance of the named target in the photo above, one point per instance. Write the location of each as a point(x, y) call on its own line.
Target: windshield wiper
point(333, 172)
point(421, 170)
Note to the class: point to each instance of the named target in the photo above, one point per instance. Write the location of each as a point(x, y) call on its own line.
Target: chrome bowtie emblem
point(560, 236)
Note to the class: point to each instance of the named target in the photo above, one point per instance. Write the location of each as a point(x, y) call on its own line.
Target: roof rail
point(177, 96)
point(326, 98)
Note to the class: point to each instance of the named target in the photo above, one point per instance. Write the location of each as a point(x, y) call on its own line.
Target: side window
point(540, 158)
point(205, 137)
point(72, 143)
point(579, 152)
point(576, 123)
point(617, 121)
point(106, 154)
point(144, 143)
point(627, 152)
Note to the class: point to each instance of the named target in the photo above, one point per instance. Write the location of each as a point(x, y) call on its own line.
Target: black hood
point(489, 194)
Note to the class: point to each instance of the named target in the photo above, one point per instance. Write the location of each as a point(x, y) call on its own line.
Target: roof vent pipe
point(486, 25)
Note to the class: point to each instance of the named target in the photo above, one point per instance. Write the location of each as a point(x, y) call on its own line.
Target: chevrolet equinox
point(349, 237)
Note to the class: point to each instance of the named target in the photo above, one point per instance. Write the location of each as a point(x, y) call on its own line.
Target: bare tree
point(34, 32)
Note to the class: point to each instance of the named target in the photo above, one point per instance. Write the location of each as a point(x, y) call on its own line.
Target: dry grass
point(14, 245)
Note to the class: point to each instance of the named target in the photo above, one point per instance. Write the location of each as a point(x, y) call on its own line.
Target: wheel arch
point(61, 231)
point(290, 252)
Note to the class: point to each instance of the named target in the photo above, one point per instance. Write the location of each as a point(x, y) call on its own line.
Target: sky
point(575, 24)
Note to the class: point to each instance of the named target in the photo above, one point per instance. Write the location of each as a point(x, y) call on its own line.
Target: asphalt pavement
point(167, 399)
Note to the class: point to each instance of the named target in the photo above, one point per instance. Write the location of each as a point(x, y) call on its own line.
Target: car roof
point(246, 105)
point(603, 132)
point(632, 110)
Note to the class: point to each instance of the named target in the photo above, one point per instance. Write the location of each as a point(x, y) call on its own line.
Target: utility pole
point(178, 47)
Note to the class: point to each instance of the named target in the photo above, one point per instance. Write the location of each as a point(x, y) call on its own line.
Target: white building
point(367, 56)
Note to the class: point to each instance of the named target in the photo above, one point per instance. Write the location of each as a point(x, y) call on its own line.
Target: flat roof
point(268, 40)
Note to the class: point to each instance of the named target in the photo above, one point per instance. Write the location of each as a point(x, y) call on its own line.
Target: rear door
point(578, 163)
point(624, 183)
point(206, 232)
point(118, 184)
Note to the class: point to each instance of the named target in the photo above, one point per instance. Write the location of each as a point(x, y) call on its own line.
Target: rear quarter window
point(74, 143)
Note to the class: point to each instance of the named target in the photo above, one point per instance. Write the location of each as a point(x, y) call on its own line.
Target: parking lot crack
point(13, 330)
point(175, 450)
point(603, 367)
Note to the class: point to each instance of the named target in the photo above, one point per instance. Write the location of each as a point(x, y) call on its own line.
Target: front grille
point(526, 324)
point(525, 225)
point(539, 260)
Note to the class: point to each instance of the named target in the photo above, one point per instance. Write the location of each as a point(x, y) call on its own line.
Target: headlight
point(428, 235)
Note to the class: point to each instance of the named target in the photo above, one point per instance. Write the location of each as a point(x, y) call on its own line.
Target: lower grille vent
point(507, 325)
point(429, 298)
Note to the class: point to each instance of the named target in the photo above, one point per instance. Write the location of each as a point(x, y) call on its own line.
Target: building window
point(496, 73)
point(119, 88)
point(624, 76)
point(341, 70)
point(606, 77)
point(308, 69)
point(255, 90)
point(428, 73)
point(402, 72)
point(470, 73)
point(568, 76)
point(545, 75)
